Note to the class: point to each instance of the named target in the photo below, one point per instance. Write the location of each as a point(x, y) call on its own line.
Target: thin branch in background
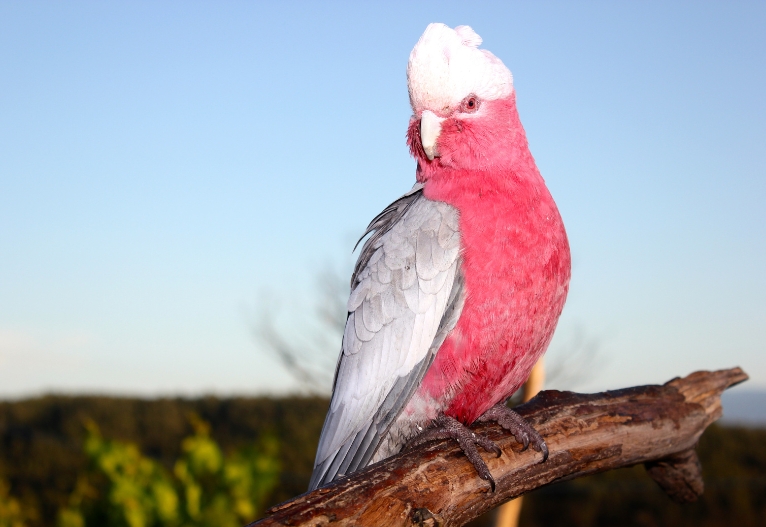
point(308, 356)
point(292, 358)
point(331, 308)
point(578, 363)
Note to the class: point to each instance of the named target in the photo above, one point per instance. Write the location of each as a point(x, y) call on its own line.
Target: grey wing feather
point(407, 294)
point(380, 225)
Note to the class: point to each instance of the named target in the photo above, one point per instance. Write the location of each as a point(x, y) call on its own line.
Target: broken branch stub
point(435, 485)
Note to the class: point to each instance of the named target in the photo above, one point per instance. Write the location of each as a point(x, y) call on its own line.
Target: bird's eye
point(470, 104)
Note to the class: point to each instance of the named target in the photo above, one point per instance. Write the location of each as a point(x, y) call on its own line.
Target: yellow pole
point(508, 513)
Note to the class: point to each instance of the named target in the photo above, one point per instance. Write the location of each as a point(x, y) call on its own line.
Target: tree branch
point(435, 485)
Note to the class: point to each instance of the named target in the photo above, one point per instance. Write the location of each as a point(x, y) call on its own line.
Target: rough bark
point(435, 485)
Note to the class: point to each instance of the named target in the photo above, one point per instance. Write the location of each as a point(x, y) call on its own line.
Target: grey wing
point(406, 297)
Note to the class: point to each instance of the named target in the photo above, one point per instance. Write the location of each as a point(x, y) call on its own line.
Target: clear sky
point(167, 166)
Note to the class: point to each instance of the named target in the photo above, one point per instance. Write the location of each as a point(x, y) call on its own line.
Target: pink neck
point(482, 154)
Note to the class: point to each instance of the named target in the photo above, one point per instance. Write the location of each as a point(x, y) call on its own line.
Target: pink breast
point(516, 267)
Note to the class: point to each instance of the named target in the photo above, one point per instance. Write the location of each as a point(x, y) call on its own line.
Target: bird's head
point(463, 104)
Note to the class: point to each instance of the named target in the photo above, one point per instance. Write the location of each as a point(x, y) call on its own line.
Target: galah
point(460, 284)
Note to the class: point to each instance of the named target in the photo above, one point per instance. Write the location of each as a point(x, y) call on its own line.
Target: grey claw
point(491, 481)
point(486, 475)
point(467, 440)
point(488, 445)
point(518, 427)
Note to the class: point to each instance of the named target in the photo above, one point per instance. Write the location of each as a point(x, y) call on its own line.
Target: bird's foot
point(518, 426)
point(449, 428)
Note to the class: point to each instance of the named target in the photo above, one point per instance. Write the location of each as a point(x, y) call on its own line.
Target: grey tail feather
point(356, 454)
point(352, 456)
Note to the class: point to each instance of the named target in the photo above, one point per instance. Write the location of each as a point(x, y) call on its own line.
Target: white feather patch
point(469, 36)
point(446, 66)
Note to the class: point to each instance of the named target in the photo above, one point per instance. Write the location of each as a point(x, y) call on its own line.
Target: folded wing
point(406, 294)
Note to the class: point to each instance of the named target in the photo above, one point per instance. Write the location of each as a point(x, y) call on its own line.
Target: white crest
point(446, 66)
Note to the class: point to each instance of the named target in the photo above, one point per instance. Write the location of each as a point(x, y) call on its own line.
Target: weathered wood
point(435, 485)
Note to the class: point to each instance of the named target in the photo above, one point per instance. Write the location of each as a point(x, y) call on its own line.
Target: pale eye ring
point(470, 104)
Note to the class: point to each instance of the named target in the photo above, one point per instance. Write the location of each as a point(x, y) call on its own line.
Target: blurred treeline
point(135, 462)
point(83, 461)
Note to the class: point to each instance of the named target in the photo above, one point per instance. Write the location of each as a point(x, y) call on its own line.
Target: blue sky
point(168, 169)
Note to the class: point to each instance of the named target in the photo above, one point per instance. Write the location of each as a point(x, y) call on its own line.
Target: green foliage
point(42, 453)
point(11, 514)
point(124, 488)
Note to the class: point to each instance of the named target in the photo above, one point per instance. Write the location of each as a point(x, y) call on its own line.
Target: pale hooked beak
point(430, 128)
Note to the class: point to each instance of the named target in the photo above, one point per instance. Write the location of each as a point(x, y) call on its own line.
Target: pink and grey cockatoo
point(459, 286)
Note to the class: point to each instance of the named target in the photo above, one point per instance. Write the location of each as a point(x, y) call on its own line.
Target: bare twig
point(436, 485)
